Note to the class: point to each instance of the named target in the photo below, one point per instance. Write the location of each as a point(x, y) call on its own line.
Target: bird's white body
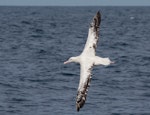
point(86, 63)
point(87, 60)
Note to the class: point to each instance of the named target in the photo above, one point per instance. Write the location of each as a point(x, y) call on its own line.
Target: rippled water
point(35, 41)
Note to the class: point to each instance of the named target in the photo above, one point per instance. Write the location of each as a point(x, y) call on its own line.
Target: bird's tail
point(81, 95)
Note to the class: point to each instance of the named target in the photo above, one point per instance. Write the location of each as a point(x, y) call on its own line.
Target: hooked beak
point(66, 62)
point(112, 62)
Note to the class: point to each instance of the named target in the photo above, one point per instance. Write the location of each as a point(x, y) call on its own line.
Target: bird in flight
point(87, 59)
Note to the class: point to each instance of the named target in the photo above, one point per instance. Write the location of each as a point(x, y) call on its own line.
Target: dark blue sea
point(35, 41)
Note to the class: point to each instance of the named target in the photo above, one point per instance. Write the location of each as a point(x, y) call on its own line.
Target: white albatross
point(87, 59)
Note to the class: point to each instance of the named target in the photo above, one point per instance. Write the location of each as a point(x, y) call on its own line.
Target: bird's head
point(72, 59)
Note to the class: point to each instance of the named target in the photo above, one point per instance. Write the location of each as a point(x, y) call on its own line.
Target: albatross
point(87, 59)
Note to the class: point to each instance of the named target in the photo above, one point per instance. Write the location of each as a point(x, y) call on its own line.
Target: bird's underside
point(87, 60)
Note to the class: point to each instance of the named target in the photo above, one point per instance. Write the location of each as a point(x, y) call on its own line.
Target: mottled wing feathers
point(93, 36)
point(85, 78)
point(86, 66)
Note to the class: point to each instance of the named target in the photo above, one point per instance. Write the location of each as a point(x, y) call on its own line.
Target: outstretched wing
point(85, 78)
point(89, 50)
point(93, 36)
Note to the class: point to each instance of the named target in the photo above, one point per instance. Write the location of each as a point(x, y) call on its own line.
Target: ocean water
point(35, 41)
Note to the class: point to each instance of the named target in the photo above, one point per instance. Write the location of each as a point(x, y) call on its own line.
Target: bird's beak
point(112, 62)
point(66, 62)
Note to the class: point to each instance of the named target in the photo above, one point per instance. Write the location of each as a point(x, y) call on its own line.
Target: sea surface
point(35, 41)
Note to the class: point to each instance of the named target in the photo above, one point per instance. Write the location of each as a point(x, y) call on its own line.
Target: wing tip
point(96, 20)
point(81, 98)
point(78, 107)
point(80, 104)
point(99, 14)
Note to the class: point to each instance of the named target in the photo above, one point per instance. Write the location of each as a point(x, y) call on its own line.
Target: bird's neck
point(76, 59)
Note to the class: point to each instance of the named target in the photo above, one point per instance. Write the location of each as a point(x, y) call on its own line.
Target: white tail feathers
point(102, 61)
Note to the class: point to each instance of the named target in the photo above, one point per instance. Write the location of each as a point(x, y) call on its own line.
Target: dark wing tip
point(81, 98)
point(81, 95)
point(78, 107)
point(95, 24)
point(97, 18)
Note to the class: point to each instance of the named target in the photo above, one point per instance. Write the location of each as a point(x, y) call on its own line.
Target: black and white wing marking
point(93, 36)
point(86, 65)
point(85, 78)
